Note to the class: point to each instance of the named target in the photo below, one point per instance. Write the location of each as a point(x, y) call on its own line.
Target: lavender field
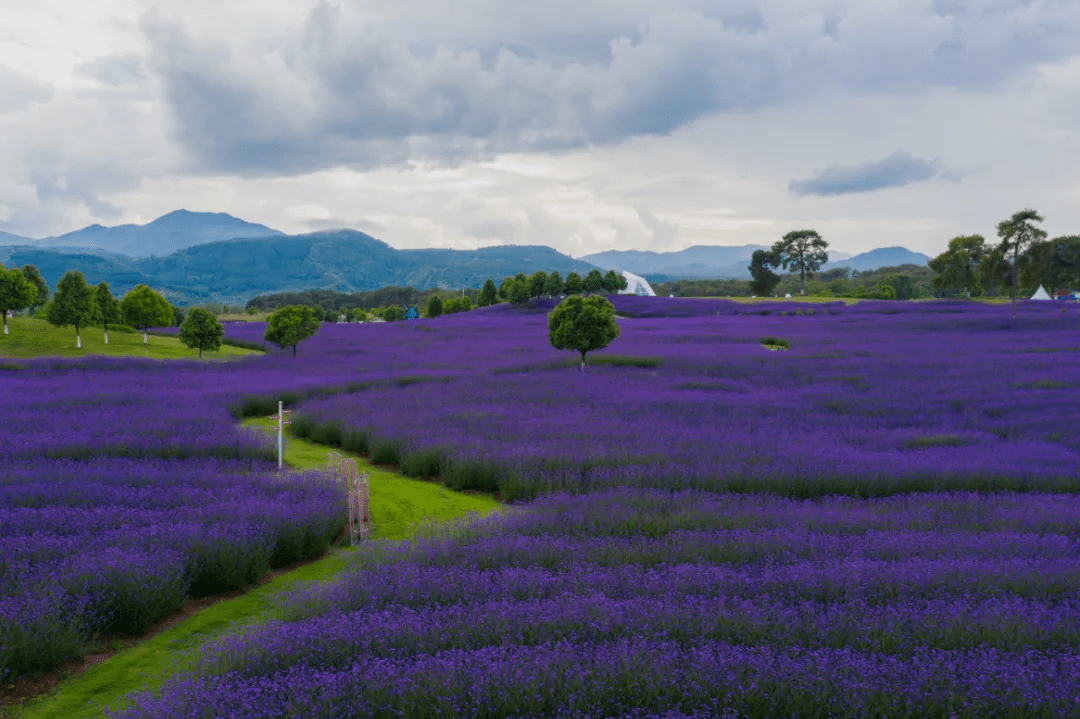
point(881, 521)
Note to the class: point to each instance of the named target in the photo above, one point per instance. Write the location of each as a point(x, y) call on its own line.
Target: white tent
point(1040, 294)
point(636, 286)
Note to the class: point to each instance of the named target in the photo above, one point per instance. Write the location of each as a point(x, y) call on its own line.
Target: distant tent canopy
point(636, 286)
point(1040, 294)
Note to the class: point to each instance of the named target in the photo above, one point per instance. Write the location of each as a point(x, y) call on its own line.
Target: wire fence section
point(357, 486)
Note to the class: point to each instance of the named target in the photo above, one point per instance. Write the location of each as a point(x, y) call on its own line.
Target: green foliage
point(803, 251)
point(108, 307)
point(290, 326)
point(1017, 234)
point(31, 273)
point(16, 292)
point(457, 304)
point(178, 316)
point(143, 308)
point(435, 306)
point(1054, 263)
point(489, 294)
point(582, 324)
point(775, 342)
point(554, 285)
point(764, 281)
point(611, 281)
point(959, 268)
point(702, 288)
point(593, 282)
point(573, 284)
point(201, 330)
point(72, 304)
point(393, 313)
point(519, 293)
point(537, 282)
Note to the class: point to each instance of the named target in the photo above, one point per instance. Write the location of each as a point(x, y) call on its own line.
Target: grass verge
point(397, 504)
point(31, 337)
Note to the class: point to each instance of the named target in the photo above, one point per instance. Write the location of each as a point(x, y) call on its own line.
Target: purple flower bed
point(871, 400)
point(842, 565)
point(647, 603)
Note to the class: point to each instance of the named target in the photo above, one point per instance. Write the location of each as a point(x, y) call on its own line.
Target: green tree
point(504, 288)
point(435, 305)
point(959, 267)
point(519, 293)
point(537, 282)
point(573, 284)
point(593, 282)
point(521, 276)
point(1054, 263)
point(804, 252)
point(290, 326)
point(72, 304)
point(201, 330)
point(995, 272)
point(31, 273)
point(108, 307)
point(582, 324)
point(1017, 234)
point(764, 280)
point(144, 308)
point(16, 292)
point(489, 294)
point(623, 283)
point(554, 285)
point(178, 315)
point(393, 313)
point(611, 282)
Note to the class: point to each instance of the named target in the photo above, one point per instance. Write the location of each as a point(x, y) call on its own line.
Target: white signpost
point(281, 422)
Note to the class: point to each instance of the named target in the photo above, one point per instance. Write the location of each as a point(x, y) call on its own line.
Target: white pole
point(279, 431)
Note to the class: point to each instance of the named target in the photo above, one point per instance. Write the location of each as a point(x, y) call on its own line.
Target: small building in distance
point(636, 286)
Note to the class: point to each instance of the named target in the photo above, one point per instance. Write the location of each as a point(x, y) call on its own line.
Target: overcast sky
point(584, 125)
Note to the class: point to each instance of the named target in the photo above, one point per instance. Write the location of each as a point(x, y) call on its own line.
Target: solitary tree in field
point(201, 330)
point(31, 273)
point(1017, 234)
point(290, 326)
point(144, 308)
point(72, 304)
point(16, 292)
point(762, 264)
point(434, 305)
point(489, 294)
point(108, 307)
point(554, 285)
point(804, 252)
point(573, 284)
point(582, 324)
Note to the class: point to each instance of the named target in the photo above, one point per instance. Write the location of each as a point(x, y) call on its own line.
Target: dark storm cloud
point(896, 170)
point(333, 96)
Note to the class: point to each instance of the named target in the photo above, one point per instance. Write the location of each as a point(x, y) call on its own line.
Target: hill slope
point(233, 271)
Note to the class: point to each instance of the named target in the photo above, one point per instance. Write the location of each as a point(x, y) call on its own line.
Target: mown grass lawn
point(31, 337)
point(398, 505)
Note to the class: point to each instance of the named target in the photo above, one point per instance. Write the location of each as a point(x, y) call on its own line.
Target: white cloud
point(581, 125)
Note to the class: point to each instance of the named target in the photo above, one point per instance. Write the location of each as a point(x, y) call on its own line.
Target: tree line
point(76, 303)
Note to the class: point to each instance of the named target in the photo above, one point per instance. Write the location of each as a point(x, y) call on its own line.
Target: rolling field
point(881, 521)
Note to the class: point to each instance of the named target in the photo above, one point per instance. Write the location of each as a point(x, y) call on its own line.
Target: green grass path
point(396, 502)
point(30, 337)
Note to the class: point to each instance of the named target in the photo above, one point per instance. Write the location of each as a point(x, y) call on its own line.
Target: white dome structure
point(636, 286)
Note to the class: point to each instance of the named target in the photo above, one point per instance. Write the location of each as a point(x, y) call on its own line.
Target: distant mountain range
point(731, 262)
point(194, 257)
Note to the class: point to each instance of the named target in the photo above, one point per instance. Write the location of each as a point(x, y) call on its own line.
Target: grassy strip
point(397, 504)
point(32, 337)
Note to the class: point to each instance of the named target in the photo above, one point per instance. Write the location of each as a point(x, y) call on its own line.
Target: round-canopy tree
point(489, 294)
point(144, 308)
point(16, 292)
point(434, 305)
point(290, 326)
point(108, 307)
point(582, 324)
point(32, 274)
point(572, 286)
point(201, 330)
point(72, 304)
